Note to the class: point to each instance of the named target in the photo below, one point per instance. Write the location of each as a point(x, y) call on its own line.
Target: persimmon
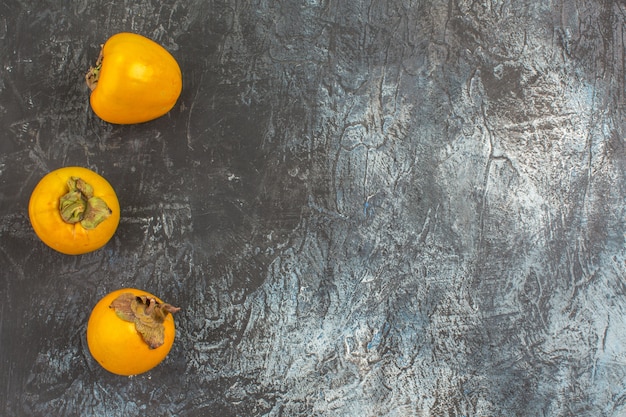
point(130, 331)
point(134, 80)
point(74, 210)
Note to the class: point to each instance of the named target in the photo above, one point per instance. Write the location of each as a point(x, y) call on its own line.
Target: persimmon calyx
point(92, 76)
point(79, 205)
point(146, 313)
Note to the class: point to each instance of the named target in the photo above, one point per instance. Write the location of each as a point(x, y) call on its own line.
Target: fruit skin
point(70, 239)
point(117, 346)
point(138, 80)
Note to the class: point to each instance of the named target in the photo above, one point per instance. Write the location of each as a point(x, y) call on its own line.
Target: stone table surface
point(363, 207)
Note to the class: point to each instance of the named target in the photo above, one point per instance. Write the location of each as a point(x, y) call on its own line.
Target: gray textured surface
point(365, 208)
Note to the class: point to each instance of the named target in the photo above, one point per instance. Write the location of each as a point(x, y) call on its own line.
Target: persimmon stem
point(80, 205)
point(146, 313)
point(92, 76)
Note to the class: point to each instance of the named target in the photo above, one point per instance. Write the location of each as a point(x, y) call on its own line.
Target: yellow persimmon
point(130, 331)
point(135, 80)
point(74, 210)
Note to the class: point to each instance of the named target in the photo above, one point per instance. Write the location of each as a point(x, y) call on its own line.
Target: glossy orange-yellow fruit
point(135, 80)
point(118, 344)
point(74, 222)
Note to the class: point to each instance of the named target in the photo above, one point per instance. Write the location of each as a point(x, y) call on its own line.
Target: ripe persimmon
point(135, 80)
point(74, 210)
point(130, 331)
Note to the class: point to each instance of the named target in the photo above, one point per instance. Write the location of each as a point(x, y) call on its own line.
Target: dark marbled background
point(365, 208)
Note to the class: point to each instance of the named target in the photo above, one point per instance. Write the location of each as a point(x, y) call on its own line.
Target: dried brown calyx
point(146, 313)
